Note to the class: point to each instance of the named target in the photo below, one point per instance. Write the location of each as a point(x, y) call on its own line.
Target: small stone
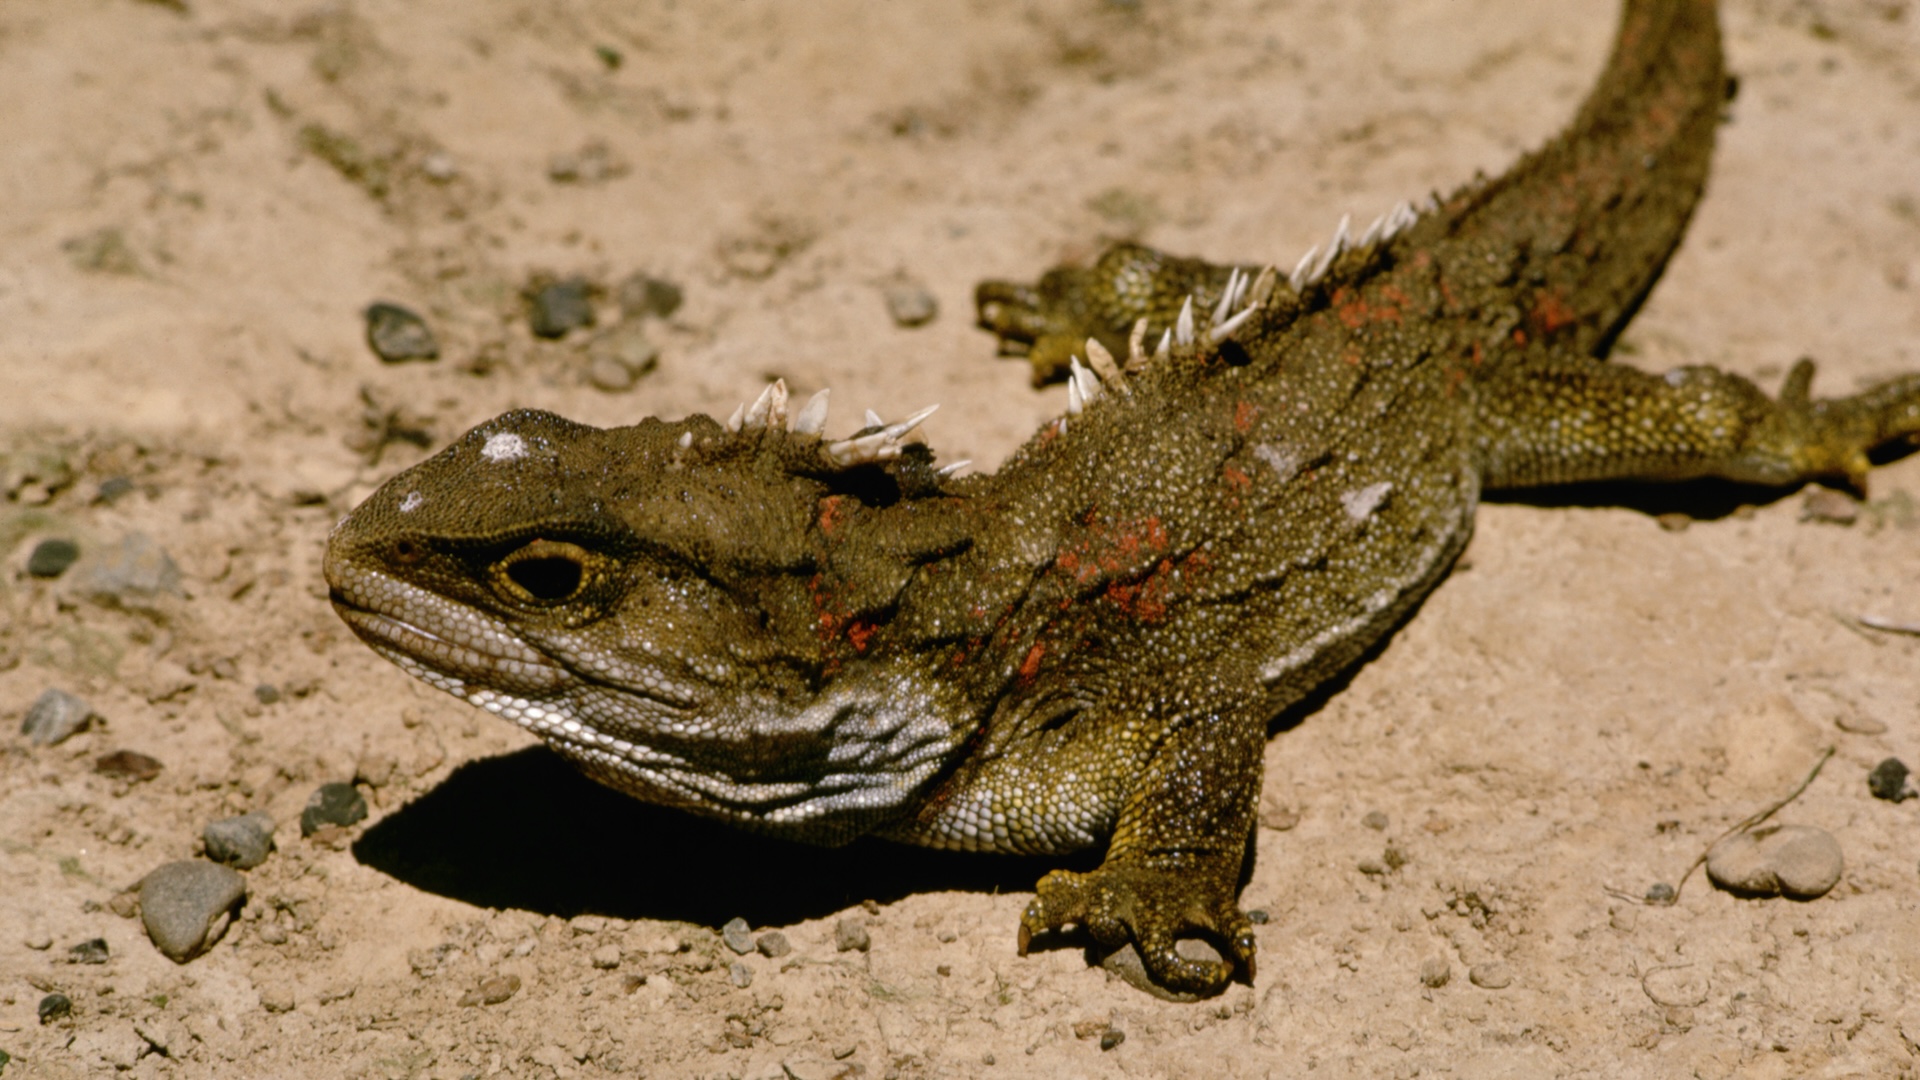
point(739, 974)
point(187, 905)
point(1660, 893)
point(850, 935)
point(1856, 724)
point(332, 804)
point(738, 936)
point(242, 842)
point(266, 694)
point(54, 717)
point(1492, 975)
point(560, 307)
point(1888, 780)
point(396, 334)
point(130, 574)
point(773, 945)
point(1435, 972)
point(113, 489)
point(911, 304)
point(130, 765)
point(1830, 506)
point(641, 296)
point(1258, 916)
point(38, 940)
point(1111, 1038)
point(591, 164)
point(1675, 521)
point(91, 951)
point(1797, 861)
point(492, 990)
point(1375, 820)
point(277, 998)
point(1679, 987)
point(440, 166)
point(619, 356)
point(51, 558)
point(54, 1007)
point(606, 957)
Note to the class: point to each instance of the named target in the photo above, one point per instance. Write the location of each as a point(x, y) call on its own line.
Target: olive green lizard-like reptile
point(1258, 474)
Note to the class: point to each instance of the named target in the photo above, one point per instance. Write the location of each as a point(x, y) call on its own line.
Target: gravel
point(55, 716)
point(1796, 861)
point(187, 905)
point(242, 842)
point(396, 334)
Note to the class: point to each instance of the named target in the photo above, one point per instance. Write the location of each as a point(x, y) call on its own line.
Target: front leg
point(1173, 866)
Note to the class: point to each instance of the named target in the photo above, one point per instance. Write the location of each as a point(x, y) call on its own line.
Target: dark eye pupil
point(548, 578)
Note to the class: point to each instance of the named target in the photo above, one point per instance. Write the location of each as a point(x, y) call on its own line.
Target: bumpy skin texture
point(824, 639)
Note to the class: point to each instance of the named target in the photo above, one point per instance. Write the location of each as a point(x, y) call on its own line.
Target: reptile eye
point(406, 552)
point(545, 571)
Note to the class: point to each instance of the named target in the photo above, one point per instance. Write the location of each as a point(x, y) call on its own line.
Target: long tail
point(1595, 214)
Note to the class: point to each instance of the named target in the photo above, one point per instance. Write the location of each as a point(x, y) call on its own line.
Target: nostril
point(547, 577)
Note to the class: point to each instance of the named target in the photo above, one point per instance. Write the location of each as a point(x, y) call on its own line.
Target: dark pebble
point(266, 693)
point(332, 804)
point(54, 1006)
point(1258, 916)
point(1111, 1039)
point(54, 717)
point(739, 974)
point(242, 842)
point(113, 489)
point(187, 905)
point(91, 951)
point(127, 765)
point(1888, 780)
point(738, 936)
point(1659, 893)
point(396, 334)
point(773, 945)
point(560, 307)
point(51, 558)
point(641, 296)
point(850, 935)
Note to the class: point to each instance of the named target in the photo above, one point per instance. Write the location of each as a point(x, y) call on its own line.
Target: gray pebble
point(911, 304)
point(242, 842)
point(1492, 975)
point(641, 296)
point(129, 765)
point(850, 935)
point(1859, 725)
point(1111, 1038)
point(51, 558)
point(1435, 972)
point(1660, 893)
point(54, 1007)
point(128, 574)
point(1376, 820)
point(332, 804)
point(606, 957)
point(618, 357)
point(773, 945)
point(1888, 780)
point(266, 693)
point(187, 905)
point(396, 334)
point(738, 936)
point(739, 974)
point(113, 489)
point(560, 307)
point(1797, 861)
point(54, 717)
point(1828, 505)
point(91, 951)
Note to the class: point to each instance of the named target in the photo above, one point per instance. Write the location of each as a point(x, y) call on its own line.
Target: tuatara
point(1259, 474)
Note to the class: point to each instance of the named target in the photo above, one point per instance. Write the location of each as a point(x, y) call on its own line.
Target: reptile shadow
point(524, 830)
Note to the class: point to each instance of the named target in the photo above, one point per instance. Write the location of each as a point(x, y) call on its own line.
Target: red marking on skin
point(1235, 477)
point(1243, 415)
point(1112, 549)
point(861, 634)
point(1551, 312)
point(1356, 311)
point(1479, 354)
point(1455, 376)
point(1030, 667)
point(1519, 337)
point(1351, 356)
point(1446, 293)
point(829, 515)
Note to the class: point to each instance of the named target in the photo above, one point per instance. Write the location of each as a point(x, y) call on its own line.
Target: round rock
point(911, 304)
point(187, 905)
point(1888, 780)
point(641, 296)
point(332, 804)
point(53, 1007)
point(1796, 861)
point(560, 307)
point(51, 558)
point(773, 945)
point(850, 935)
point(242, 842)
point(54, 717)
point(738, 936)
point(396, 334)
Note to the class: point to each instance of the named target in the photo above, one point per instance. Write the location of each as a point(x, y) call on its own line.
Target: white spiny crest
point(739, 412)
point(812, 417)
point(1103, 365)
point(1262, 288)
point(1161, 350)
point(882, 445)
point(1137, 345)
point(1228, 295)
point(769, 409)
point(873, 419)
point(1298, 279)
point(1084, 378)
point(1183, 326)
point(949, 470)
point(1074, 404)
point(1373, 232)
point(1227, 329)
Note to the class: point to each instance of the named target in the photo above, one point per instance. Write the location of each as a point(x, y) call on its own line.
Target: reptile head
point(648, 600)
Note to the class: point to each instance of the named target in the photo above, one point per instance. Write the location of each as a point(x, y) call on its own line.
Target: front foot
point(1153, 907)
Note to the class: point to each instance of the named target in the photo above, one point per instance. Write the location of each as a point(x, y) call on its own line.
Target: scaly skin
point(823, 639)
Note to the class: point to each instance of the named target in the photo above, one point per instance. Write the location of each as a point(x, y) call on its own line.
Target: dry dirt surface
point(203, 196)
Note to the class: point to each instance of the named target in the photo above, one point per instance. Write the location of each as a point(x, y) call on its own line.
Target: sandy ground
point(201, 198)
